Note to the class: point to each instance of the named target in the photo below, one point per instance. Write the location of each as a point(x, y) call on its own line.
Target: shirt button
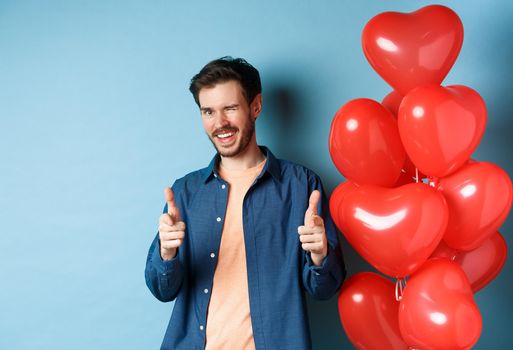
point(223, 186)
point(218, 219)
point(212, 255)
point(205, 291)
point(201, 327)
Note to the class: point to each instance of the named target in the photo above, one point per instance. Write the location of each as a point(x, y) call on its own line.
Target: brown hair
point(225, 69)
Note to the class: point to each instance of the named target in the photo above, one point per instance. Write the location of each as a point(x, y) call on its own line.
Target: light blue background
point(96, 118)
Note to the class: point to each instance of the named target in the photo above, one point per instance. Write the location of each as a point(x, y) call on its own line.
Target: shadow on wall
point(282, 106)
point(283, 129)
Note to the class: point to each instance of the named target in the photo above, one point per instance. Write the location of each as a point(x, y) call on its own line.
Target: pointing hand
point(171, 229)
point(312, 235)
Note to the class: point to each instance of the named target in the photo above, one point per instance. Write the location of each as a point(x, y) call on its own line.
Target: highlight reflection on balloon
point(394, 229)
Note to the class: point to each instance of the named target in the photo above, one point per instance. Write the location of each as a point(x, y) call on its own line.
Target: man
point(242, 239)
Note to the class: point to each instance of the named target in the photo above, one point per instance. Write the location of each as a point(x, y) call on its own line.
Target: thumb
point(172, 209)
point(311, 212)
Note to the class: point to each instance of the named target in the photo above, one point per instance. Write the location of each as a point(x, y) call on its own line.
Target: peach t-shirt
point(228, 317)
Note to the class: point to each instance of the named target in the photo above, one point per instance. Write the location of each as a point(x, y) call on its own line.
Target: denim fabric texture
point(279, 270)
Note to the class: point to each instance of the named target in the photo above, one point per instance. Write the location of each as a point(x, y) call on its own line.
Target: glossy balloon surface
point(479, 196)
point(438, 310)
point(396, 229)
point(364, 143)
point(481, 265)
point(412, 49)
point(484, 263)
point(369, 312)
point(440, 127)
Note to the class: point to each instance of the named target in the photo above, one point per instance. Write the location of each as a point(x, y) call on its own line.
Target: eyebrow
point(232, 106)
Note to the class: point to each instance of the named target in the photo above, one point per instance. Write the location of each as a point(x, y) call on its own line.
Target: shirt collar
point(272, 166)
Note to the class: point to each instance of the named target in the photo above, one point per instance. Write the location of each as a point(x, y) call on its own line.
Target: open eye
point(207, 113)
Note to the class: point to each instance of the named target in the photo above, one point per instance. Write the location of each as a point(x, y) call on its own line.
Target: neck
point(250, 157)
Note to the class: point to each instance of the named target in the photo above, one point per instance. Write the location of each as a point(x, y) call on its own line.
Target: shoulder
point(291, 170)
point(189, 181)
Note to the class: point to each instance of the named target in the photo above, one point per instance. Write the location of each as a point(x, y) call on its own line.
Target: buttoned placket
point(219, 220)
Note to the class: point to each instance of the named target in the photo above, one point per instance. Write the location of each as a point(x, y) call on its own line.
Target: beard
point(239, 146)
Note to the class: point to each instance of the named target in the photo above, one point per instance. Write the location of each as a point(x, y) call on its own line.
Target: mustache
point(224, 130)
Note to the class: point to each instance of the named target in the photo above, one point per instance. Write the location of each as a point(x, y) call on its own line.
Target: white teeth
point(224, 135)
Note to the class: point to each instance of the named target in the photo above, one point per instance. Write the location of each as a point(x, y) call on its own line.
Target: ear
point(256, 106)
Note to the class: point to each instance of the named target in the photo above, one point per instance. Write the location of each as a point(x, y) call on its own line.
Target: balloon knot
point(400, 284)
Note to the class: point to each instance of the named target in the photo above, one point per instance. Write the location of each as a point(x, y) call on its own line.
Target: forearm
point(163, 277)
point(322, 282)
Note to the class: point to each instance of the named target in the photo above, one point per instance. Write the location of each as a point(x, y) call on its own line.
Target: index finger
point(313, 202)
point(171, 204)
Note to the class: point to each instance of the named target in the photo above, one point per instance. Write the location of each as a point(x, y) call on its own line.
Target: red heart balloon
point(479, 198)
point(395, 229)
point(392, 101)
point(368, 312)
point(482, 264)
point(364, 143)
point(437, 310)
point(440, 127)
point(412, 49)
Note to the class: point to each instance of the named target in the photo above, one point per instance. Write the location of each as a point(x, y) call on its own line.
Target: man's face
point(227, 118)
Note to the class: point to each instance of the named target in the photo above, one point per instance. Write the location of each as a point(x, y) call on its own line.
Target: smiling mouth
point(226, 137)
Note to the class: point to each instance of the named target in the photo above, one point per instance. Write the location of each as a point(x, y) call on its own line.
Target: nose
point(221, 120)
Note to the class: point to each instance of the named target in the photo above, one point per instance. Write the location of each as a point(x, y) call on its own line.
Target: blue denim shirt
point(279, 270)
